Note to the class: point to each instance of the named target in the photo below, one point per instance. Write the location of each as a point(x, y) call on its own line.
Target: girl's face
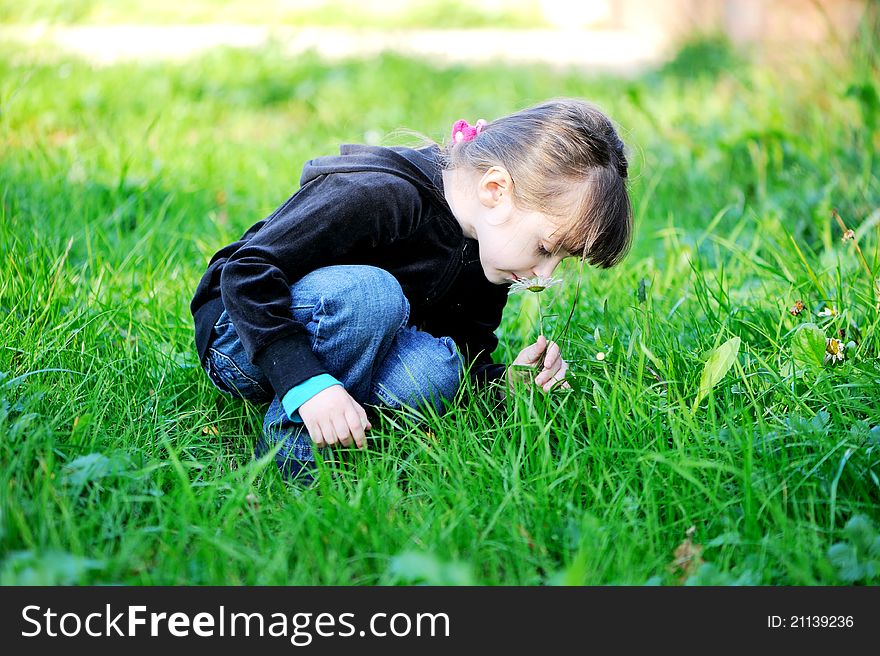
point(514, 243)
point(522, 246)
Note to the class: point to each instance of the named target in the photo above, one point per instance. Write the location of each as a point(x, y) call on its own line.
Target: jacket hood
point(421, 167)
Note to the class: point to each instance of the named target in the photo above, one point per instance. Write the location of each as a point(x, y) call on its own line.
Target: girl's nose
point(546, 268)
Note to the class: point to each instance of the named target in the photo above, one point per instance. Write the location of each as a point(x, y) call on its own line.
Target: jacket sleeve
point(329, 218)
point(471, 315)
point(477, 341)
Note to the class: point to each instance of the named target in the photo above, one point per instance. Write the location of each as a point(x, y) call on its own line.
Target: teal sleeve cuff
point(303, 392)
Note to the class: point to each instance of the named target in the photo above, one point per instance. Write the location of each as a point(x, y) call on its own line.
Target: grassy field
point(119, 463)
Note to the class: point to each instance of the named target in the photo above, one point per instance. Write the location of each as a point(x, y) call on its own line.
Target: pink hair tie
point(464, 131)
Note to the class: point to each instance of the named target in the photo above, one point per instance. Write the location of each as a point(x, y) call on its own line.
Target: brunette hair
point(567, 162)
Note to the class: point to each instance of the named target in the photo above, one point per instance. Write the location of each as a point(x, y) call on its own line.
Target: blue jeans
point(356, 318)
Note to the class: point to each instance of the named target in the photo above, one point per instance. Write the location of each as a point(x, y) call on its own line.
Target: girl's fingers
point(329, 434)
point(544, 376)
point(317, 436)
point(552, 357)
point(343, 433)
point(554, 367)
point(551, 369)
point(536, 349)
point(531, 354)
point(550, 384)
point(355, 427)
point(550, 377)
point(365, 421)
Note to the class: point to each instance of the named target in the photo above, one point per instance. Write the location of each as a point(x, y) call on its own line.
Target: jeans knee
point(447, 371)
point(365, 296)
point(380, 289)
point(429, 375)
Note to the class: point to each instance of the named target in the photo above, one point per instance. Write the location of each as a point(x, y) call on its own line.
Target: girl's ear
point(495, 187)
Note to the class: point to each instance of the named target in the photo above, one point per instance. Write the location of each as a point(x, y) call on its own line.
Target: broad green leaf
point(46, 568)
point(413, 567)
point(717, 365)
point(808, 346)
point(92, 467)
point(860, 532)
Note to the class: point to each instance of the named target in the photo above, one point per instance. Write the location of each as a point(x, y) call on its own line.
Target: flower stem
point(541, 329)
point(842, 225)
point(540, 318)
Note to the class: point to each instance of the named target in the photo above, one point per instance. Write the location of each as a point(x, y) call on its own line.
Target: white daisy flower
point(828, 312)
point(834, 350)
point(535, 284)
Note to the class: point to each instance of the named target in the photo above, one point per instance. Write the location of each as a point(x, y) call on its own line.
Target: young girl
point(382, 279)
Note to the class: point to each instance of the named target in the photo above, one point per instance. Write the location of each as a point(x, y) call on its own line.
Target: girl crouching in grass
point(381, 281)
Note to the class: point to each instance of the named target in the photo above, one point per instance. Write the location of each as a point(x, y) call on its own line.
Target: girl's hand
point(332, 416)
point(554, 366)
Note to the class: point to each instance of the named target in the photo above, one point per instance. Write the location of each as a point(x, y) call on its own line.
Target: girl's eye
point(543, 252)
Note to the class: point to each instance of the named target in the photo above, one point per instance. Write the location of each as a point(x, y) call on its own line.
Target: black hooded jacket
point(368, 205)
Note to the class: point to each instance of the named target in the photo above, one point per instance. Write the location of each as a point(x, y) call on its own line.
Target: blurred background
point(602, 35)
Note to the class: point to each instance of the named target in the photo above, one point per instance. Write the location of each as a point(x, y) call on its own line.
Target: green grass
point(121, 464)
